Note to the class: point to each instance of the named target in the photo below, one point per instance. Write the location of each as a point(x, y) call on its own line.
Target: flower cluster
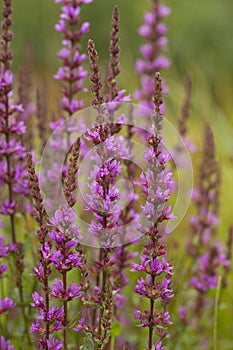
point(43, 270)
point(206, 251)
point(206, 198)
point(154, 31)
point(103, 200)
point(12, 152)
point(72, 73)
point(185, 142)
point(13, 176)
point(156, 185)
point(5, 344)
point(204, 246)
point(6, 303)
point(59, 237)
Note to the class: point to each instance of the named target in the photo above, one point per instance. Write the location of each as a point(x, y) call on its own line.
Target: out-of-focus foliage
point(200, 32)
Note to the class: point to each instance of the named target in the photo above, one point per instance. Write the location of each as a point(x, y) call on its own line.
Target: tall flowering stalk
point(58, 237)
point(183, 124)
point(121, 256)
point(13, 179)
point(205, 249)
point(43, 270)
point(156, 185)
point(64, 257)
point(206, 198)
point(114, 49)
point(6, 303)
point(72, 73)
point(66, 236)
point(50, 318)
point(102, 202)
point(153, 59)
point(104, 196)
point(11, 128)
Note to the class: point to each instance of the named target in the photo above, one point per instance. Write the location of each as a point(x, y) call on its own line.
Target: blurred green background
point(200, 34)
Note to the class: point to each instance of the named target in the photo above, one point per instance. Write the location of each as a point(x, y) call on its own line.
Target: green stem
point(65, 312)
point(112, 344)
point(216, 307)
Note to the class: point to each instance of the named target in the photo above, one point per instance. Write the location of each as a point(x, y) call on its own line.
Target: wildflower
point(5, 344)
point(72, 73)
point(157, 190)
point(154, 31)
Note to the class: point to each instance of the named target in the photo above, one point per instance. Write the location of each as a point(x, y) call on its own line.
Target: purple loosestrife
point(59, 238)
point(103, 202)
point(47, 318)
point(6, 303)
point(156, 185)
point(5, 344)
point(121, 256)
point(154, 31)
point(206, 198)
point(13, 176)
point(104, 196)
point(115, 96)
point(72, 76)
point(70, 181)
point(114, 49)
point(183, 125)
point(12, 153)
point(72, 73)
point(50, 318)
point(66, 236)
point(205, 249)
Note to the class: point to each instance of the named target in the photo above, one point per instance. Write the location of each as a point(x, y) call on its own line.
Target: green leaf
point(73, 321)
point(116, 329)
point(88, 344)
point(216, 309)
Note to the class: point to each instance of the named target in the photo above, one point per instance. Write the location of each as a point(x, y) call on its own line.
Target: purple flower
point(71, 73)
point(59, 292)
point(54, 344)
point(80, 326)
point(6, 304)
point(38, 300)
point(64, 222)
point(3, 268)
point(35, 327)
point(163, 11)
point(159, 346)
point(153, 30)
point(183, 314)
point(156, 188)
point(7, 208)
point(5, 344)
